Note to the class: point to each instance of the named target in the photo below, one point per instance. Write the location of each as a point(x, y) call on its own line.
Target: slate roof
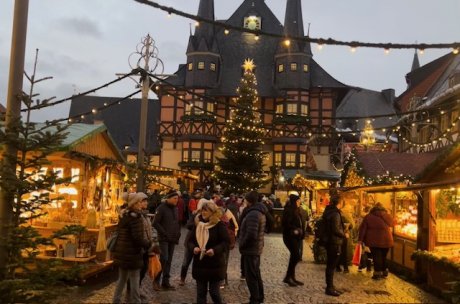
point(380, 163)
point(364, 102)
point(420, 81)
point(237, 46)
point(122, 120)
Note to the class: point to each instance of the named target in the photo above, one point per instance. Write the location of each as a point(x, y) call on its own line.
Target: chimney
point(389, 95)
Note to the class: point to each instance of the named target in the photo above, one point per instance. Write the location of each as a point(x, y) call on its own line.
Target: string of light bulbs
point(49, 104)
point(320, 41)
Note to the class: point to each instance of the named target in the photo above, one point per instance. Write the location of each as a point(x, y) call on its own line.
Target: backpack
point(231, 231)
point(321, 233)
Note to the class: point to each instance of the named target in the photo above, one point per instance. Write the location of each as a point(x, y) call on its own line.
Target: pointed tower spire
point(293, 24)
point(415, 62)
point(203, 58)
point(206, 30)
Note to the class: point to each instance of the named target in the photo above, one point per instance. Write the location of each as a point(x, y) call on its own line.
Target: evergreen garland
point(240, 169)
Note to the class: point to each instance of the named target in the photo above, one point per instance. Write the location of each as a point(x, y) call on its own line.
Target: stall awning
point(332, 176)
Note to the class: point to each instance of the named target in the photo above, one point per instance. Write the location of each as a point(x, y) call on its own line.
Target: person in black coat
point(293, 234)
point(167, 224)
point(335, 236)
point(251, 244)
point(130, 246)
point(209, 242)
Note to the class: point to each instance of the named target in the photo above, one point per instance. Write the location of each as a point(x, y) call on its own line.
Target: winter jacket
point(210, 268)
point(375, 229)
point(167, 224)
point(292, 223)
point(334, 225)
point(252, 229)
point(132, 241)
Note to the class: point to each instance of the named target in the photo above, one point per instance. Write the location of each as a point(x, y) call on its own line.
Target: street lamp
point(367, 137)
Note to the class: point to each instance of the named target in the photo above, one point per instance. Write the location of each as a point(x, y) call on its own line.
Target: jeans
point(253, 278)
point(166, 255)
point(202, 291)
point(188, 257)
point(380, 258)
point(292, 245)
point(123, 276)
point(333, 256)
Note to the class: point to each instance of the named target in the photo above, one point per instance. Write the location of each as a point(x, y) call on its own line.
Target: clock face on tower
point(252, 23)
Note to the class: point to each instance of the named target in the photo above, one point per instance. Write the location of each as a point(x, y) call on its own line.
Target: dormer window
point(252, 23)
point(280, 68)
point(212, 66)
point(201, 65)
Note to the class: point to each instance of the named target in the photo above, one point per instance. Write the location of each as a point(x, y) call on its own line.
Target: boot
point(332, 292)
point(378, 275)
point(299, 283)
point(289, 281)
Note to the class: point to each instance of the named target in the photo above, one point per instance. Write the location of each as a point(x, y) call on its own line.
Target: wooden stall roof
point(447, 164)
point(86, 139)
point(381, 163)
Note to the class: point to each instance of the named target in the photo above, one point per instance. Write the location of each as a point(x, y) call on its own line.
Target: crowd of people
point(151, 226)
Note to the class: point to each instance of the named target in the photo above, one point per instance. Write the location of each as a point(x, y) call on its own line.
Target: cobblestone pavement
point(358, 287)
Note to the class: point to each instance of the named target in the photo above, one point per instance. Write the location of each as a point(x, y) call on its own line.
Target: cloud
point(80, 26)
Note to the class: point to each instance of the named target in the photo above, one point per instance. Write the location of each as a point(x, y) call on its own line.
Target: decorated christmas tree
point(240, 169)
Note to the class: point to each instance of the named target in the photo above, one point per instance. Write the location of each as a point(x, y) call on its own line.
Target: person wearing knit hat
point(209, 244)
point(293, 234)
point(167, 224)
point(130, 245)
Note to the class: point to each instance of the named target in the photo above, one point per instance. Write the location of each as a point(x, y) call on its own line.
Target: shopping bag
point(154, 266)
point(357, 255)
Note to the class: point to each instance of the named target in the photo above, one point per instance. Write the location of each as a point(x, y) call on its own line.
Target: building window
point(210, 108)
point(188, 109)
point(303, 160)
point(280, 68)
point(198, 108)
point(291, 109)
point(305, 67)
point(190, 66)
point(290, 159)
point(303, 110)
point(207, 157)
point(212, 66)
point(196, 156)
point(185, 155)
point(278, 159)
point(293, 66)
point(279, 109)
point(201, 65)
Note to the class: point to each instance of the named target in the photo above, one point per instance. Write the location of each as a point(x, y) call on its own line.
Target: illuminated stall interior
point(92, 198)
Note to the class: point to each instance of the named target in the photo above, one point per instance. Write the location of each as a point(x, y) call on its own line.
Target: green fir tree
point(240, 169)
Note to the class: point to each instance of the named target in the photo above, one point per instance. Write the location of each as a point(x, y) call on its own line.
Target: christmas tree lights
point(240, 169)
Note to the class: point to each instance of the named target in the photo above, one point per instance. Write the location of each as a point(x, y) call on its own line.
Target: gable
point(98, 145)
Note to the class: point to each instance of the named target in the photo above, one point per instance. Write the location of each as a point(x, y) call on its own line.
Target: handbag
point(154, 266)
point(112, 241)
point(357, 255)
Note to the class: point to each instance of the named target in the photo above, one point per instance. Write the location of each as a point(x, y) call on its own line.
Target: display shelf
point(67, 259)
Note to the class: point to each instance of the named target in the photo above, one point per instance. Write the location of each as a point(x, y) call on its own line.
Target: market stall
point(94, 167)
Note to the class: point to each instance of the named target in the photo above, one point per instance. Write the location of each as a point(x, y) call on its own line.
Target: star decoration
point(248, 65)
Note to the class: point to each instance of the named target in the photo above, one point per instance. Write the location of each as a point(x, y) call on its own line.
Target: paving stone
point(358, 287)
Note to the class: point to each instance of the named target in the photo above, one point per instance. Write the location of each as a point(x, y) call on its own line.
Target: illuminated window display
point(406, 214)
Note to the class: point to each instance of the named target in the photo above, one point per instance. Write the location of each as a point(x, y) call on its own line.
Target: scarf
point(202, 236)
